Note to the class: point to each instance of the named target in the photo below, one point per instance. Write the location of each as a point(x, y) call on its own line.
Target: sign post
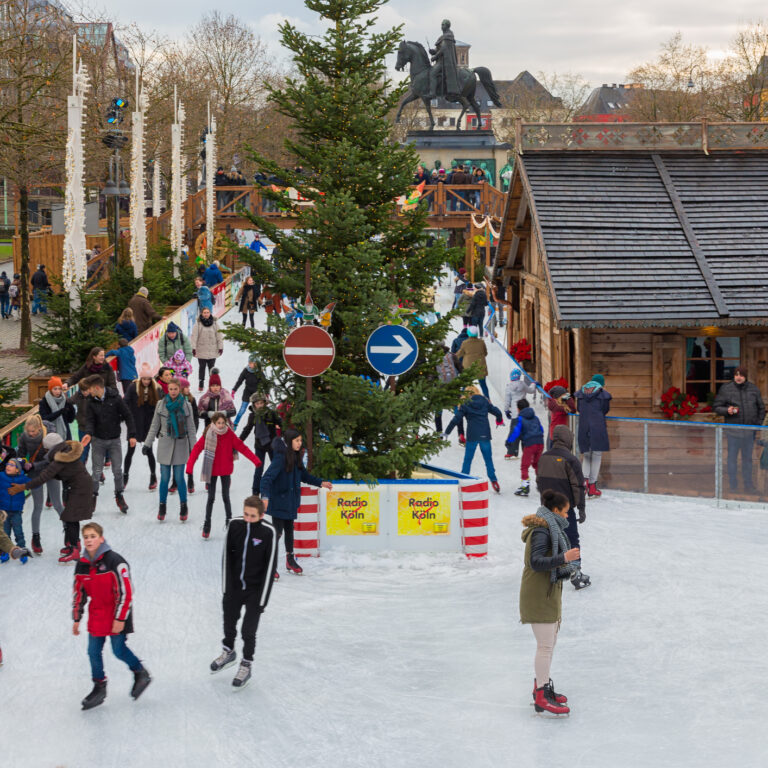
point(392, 350)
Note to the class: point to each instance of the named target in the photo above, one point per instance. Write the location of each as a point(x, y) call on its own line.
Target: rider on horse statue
point(444, 76)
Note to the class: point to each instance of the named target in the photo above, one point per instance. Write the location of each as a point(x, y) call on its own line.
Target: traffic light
point(115, 111)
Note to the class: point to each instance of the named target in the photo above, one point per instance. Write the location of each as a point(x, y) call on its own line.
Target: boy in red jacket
point(103, 576)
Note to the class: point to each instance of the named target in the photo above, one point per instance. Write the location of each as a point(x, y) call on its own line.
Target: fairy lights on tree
point(137, 203)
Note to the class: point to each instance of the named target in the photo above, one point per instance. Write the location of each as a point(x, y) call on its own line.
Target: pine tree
point(359, 253)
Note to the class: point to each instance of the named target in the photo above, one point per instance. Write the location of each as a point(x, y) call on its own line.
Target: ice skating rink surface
point(398, 661)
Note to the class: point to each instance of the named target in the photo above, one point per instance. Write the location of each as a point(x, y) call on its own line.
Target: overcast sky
point(602, 41)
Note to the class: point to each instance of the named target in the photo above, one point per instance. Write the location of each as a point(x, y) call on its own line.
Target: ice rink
point(403, 661)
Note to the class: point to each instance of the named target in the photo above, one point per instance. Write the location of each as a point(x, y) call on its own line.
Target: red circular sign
point(309, 351)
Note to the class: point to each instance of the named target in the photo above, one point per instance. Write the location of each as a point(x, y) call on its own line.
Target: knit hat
point(256, 396)
point(51, 440)
point(145, 372)
point(54, 381)
point(215, 378)
point(515, 374)
point(183, 382)
point(599, 378)
point(742, 370)
point(254, 358)
point(172, 328)
point(472, 330)
point(143, 291)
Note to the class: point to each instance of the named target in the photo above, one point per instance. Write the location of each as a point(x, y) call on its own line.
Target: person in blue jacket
point(125, 327)
point(281, 489)
point(256, 245)
point(13, 505)
point(530, 432)
point(126, 363)
point(203, 295)
point(478, 431)
point(212, 275)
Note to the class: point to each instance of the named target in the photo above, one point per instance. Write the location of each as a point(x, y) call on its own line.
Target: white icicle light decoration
point(210, 194)
point(177, 179)
point(73, 268)
point(137, 210)
point(156, 204)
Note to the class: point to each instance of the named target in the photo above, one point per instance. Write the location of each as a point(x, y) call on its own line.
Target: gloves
point(194, 353)
point(146, 450)
point(221, 352)
point(18, 552)
point(27, 466)
point(499, 423)
point(508, 414)
point(582, 515)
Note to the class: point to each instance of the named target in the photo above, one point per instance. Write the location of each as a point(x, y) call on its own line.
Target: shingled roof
point(648, 238)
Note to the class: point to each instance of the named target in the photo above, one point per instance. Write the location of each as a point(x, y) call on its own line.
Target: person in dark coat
point(475, 312)
point(41, 287)
point(264, 422)
point(458, 341)
point(57, 409)
point(248, 299)
point(253, 380)
point(530, 433)
point(281, 489)
point(592, 405)
point(125, 328)
point(559, 470)
point(79, 501)
point(740, 402)
point(95, 364)
point(141, 398)
point(144, 314)
point(478, 431)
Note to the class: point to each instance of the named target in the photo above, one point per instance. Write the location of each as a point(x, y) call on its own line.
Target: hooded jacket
point(250, 555)
point(126, 330)
point(592, 404)
point(264, 424)
point(458, 341)
point(7, 502)
point(476, 411)
point(517, 390)
point(558, 412)
point(106, 581)
point(559, 470)
point(283, 488)
point(212, 276)
point(76, 480)
point(126, 362)
point(528, 429)
point(104, 416)
point(167, 347)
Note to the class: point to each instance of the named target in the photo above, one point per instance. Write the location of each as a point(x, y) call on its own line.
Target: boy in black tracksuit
point(248, 567)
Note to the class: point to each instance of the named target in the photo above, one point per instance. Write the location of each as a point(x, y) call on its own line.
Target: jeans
point(103, 449)
point(53, 487)
point(178, 479)
point(261, 451)
point(5, 303)
point(486, 450)
point(484, 387)
point(245, 316)
point(232, 604)
point(243, 409)
point(13, 523)
point(226, 482)
point(119, 648)
point(39, 302)
point(741, 443)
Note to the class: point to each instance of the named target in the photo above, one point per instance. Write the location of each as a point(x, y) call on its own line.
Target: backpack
point(4, 283)
point(13, 291)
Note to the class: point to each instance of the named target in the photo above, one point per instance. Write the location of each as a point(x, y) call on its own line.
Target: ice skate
point(510, 456)
point(121, 503)
point(593, 492)
point(559, 698)
point(462, 440)
point(141, 679)
point(495, 485)
point(152, 482)
point(96, 696)
point(161, 511)
point(48, 502)
point(545, 702)
point(243, 675)
point(183, 512)
point(291, 565)
point(190, 484)
point(4, 557)
point(72, 556)
point(37, 547)
point(523, 490)
point(580, 580)
point(206, 529)
point(226, 659)
point(102, 479)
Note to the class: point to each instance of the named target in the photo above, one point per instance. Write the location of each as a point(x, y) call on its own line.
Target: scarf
point(560, 543)
point(206, 321)
point(223, 402)
point(260, 426)
point(211, 443)
point(176, 416)
point(56, 404)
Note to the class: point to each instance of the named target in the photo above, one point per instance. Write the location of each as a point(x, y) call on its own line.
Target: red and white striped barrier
point(473, 503)
point(305, 529)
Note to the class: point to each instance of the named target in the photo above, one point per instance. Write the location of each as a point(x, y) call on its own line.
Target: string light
point(137, 207)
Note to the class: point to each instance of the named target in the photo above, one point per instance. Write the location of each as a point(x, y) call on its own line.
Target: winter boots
point(544, 701)
point(183, 512)
point(291, 564)
point(580, 580)
point(141, 679)
point(524, 489)
point(593, 492)
point(37, 547)
point(161, 511)
point(121, 504)
point(226, 659)
point(96, 696)
point(243, 675)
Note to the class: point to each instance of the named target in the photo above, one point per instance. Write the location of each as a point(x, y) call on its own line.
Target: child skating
point(531, 434)
point(13, 504)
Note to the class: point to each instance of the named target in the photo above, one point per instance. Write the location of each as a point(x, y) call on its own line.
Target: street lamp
point(116, 185)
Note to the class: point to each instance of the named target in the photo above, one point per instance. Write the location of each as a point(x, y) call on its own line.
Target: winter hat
point(515, 374)
point(472, 330)
point(215, 378)
point(54, 381)
point(182, 381)
point(599, 378)
point(741, 369)
point(143, 291)
point(172, 328)
point(256, 396)
point(51, 440)
point(145, 372)
point(254, 358)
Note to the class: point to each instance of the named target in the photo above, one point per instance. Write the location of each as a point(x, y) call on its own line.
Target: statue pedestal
point(467, 147)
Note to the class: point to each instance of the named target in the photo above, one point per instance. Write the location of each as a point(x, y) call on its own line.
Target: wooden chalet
point(639, 251)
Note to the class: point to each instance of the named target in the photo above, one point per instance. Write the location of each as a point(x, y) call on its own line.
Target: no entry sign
point(309, 351)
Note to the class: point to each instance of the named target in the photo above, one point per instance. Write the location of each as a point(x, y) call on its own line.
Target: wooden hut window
point(710, 362)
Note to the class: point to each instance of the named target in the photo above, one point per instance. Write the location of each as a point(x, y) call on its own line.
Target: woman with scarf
point(549, 560)
point(30, 448)
point(95, 364)
point(207, 343)
point(164, 376)
point(174, 427)
point(281, 489)
point(141, 398)
point(56, 409)
point(215, 399)
point(221, 447)
point(248, 299)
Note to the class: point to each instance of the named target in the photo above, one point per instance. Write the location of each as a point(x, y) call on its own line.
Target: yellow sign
point(423, 513)
point(352, 513)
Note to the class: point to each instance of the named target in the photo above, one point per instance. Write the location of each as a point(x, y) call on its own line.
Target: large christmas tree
point(357, 250)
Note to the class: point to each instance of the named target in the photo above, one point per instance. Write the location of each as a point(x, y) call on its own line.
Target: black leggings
point(71, 533)
point(250, 313)
point(129, 460)
point(284, 526)
point(203, 365)
point(226, 482)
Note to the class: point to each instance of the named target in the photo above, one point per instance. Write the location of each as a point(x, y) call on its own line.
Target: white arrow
point(402, 350)
point(322, 351)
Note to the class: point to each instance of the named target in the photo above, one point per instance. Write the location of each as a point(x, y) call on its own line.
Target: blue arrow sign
point(392, 350)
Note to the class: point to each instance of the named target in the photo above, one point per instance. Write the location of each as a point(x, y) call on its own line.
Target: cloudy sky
point(599, 40)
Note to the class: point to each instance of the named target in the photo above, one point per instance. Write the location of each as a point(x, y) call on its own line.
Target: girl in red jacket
point(221, 446)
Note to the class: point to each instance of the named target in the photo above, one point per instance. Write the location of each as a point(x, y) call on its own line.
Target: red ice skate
point(545, 701)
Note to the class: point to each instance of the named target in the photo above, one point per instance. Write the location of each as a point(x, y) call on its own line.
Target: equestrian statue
point(445, 79)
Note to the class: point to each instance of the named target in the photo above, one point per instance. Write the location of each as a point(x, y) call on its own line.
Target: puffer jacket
point(559, 470)
point(476, 411)
point(207, 340)
point(592, 404)
point(473, 350)
point(528, 429)
point(283, 488)
point(517, 390)
point(7, 502)
point(31, 449)
point(747, 398)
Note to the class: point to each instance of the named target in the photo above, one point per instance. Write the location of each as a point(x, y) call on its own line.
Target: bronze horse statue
point(413, 53)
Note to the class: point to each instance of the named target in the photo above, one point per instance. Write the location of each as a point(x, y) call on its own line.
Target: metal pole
point(718, 464)
point(645, 457)
point(307, 289)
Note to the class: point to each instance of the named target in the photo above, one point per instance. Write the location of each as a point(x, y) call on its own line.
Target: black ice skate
point(523, 490)
point(227, 659)
point(141, 679)
point(121, 503)
point(580, 580)
point(292, 566)
point(96, 696)
point(183, 512)
point(161, 511)
point(243, 675)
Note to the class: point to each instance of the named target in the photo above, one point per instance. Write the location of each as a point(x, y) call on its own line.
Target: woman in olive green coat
point(549, 560)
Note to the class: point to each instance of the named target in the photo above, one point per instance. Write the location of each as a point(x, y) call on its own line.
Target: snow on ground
point(400, 661)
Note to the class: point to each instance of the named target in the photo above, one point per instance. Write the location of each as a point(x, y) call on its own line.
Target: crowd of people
point(10, 294)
